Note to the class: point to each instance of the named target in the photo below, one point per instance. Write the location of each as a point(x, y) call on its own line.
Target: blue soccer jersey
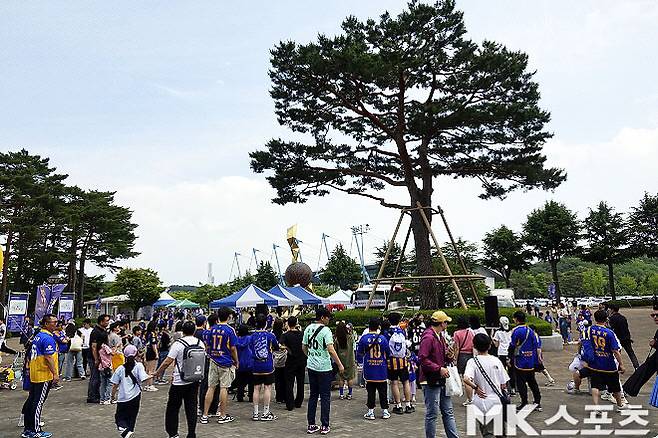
point(525, 343)
point(262, 344)
point(219, 339)
point(599, 349)
point(373, 348)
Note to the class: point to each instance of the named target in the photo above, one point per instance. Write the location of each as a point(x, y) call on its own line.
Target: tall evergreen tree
point(607, 240)
point(395, 103)
point(266, 276)
point(341, 270)
point(552, 232)
point(643, 226)
point(504, 252)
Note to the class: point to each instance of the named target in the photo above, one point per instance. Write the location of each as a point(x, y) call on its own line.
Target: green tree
point(266, 276)
point(143, 286)
point(552, 232)
point(594, 282)
point(394, 259)
point(652, 284)
point(643, 227)
point(341, 270)
point(394, 103)
point(627, 285)
point(607, 240)
point(504, 252)
point(29, 191)
point(206, 293)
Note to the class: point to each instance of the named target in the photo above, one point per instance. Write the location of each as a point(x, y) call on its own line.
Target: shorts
point(576, 364)
point(222, 376)
point(462, 359)
point(263, 379)
point(603, 381)
point(402, 375)
point(584, 373)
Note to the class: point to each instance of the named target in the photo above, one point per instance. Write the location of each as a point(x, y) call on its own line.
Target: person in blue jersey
point(584, 314)
point(262, 345)
point(577, 367)
point(527, 357)
point(373, 351)
point(43, 375)
point(244, 376)
point(220, 341)
point(600, 352)
point(398, 368)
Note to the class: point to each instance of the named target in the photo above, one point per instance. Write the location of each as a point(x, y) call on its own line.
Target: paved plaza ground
point(67, 415)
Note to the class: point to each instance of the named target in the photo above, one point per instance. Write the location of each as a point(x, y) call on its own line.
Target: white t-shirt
point(479, 330)
point(127, 389)
point(86, 332)
point(504, 339)
point(496, 372)
point(176, 351)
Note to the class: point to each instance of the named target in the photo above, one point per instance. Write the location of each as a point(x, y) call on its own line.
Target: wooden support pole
point(381, 268)
point(441, 256)
point(459, 257)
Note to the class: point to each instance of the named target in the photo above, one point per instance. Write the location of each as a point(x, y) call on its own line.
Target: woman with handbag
point(486, 376)
point(463, 350)
point(345, 350)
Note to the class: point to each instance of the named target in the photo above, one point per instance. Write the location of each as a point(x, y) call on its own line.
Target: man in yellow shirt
point(43, 375)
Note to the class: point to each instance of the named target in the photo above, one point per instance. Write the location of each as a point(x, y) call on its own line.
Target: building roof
point(114, 299)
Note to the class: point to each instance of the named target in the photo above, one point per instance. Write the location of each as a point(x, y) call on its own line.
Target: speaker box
point(491, 316)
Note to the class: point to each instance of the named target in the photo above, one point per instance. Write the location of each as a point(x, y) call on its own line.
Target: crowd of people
point(268, 357)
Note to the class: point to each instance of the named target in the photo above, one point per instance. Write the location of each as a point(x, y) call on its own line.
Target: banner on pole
point(17, 311)
point(47, 296)
point(65, 311)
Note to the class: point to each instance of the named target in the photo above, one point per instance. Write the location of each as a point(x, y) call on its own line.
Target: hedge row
point(360, 318)
point(632, 303)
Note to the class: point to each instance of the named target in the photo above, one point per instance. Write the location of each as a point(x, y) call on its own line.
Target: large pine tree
point(397, 102)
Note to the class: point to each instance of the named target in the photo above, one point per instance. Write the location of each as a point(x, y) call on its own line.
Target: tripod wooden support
point(453, 279)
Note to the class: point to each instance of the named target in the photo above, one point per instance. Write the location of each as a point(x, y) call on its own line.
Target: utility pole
point(278, 267)
point(360, 230)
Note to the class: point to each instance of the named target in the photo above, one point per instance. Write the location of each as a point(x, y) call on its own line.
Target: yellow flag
point(292, 241)
point(1, 258)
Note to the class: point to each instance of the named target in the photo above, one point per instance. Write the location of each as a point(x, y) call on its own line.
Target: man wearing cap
point(432, 357)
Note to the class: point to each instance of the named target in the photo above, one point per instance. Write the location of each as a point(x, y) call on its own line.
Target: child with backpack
point(262, 344)
point(127, 380)
point(398, 368)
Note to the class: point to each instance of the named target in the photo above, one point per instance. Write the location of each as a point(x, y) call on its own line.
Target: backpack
point(194, 360)
point(398, 344)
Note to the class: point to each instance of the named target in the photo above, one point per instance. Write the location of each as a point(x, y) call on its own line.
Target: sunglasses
point(654, 315)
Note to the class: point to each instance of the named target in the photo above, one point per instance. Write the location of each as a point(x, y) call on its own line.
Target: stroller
point(9, 376)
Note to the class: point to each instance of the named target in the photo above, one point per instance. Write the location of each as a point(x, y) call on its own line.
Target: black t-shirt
point(293, 340)
point(165, 340)
point(619, 325)
point(93, 336)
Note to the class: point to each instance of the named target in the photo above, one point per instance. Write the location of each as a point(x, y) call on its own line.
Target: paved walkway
point(67, 415)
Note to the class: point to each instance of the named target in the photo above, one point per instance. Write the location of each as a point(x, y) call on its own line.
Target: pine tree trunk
point(611, 281)
point(558, 295)
point(5, 267)
point(428, 296)
point(72, 277)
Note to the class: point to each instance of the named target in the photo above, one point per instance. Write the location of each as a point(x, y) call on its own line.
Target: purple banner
point(17, 311)
point(47, 296)
point(65, 310)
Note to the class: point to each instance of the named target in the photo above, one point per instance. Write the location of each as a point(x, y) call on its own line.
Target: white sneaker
point(467, 402)
point(622, 407)
point(605, 395)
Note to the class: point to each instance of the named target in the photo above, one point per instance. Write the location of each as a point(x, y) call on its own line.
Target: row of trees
point(54, 229)
point(605, 237)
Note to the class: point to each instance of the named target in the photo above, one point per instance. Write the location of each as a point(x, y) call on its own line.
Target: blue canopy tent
point(282, 292)
point(164, 299)
point(250, 296)
point(304, 295)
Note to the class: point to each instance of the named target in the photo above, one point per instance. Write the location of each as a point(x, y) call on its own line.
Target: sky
point(162, 102)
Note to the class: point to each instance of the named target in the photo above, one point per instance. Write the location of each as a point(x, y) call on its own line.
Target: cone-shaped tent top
point(173, 303)
point(250, 296)
point(339, 297)
point(187, 304)
point(164, 299)
point(306, 296)
point(282, 292)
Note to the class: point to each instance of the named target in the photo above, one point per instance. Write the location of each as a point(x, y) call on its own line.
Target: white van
point(361, 295)
point(505, 297)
